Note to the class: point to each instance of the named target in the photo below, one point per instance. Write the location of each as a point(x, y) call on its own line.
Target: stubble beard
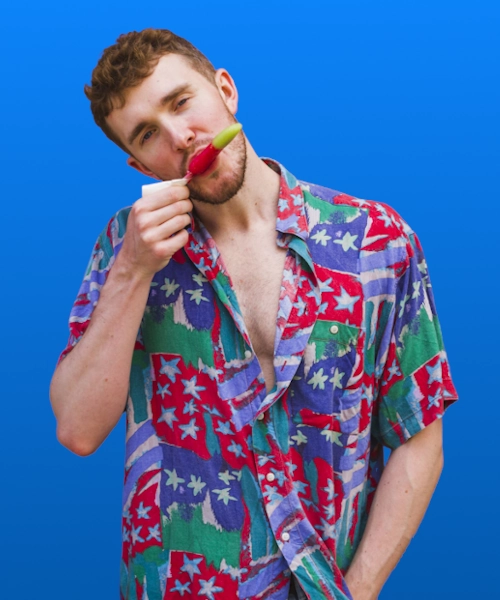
point(228, 188)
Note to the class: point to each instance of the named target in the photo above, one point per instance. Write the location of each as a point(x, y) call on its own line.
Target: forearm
point(90, 386)
point(400, 502)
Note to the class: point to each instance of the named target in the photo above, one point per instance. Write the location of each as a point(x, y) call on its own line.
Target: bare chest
point(256, 270)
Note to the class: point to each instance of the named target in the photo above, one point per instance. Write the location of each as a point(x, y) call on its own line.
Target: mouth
point(198, 152)
point(213, 167)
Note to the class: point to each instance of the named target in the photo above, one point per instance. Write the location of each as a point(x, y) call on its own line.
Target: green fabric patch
point(140, 359)
point(167, 337)
point(318, 570)
point(263, 542)
point(312, 477)
point(153, 582)
point(121, 219)
point(233, 343)
point(302, 250)
point(333, 344)
point(398, 401)
point(259, 438)
point(212, 441)
point(332, 213)
point(201, 538)
point(279, 420)
point(422, 340)
point(138, 393)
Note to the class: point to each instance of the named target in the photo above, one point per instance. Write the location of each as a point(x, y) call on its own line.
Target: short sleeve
point(101, 260)
point(412, 373)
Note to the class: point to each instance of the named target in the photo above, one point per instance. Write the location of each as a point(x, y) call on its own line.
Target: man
point(265, 351)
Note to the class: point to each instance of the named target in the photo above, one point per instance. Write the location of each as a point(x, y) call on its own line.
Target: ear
point(227, 90)
point(138, 166)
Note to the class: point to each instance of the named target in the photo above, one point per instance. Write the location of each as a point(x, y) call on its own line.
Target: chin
point(219, 186)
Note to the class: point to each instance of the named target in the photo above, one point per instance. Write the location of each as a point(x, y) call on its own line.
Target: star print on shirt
point(208, 588)
point(189, 407)
point(162, 390)
point(142, 512)
point(300, 438)
point(347, 242)
point(200, 279)
point(191, 388)
point(197, 296)
point(191, 566)
point(169, 368)
point(190, 429)
point(434, 373)
point(328, 530)
point(394, 370)
point(345, 301)
point(168, 416)
point(402, 304)
point(332, 436)
point(223, 495)
point(135, 535)
point(330, 489)
point(318, 379)
point(434, 400)
point(173, 479)
point(169, 287)
point(154, 533)
point(337, 379)
point(196, 484)
point(181, 587)
point(320, 237)
point(224, 427)
point(226, 477)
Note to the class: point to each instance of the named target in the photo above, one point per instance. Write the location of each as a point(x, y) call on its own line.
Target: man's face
point(173, 114)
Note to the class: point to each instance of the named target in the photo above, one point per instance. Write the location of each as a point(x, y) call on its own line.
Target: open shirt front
point(228, 489)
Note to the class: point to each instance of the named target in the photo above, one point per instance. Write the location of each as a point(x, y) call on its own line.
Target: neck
point(251, 209)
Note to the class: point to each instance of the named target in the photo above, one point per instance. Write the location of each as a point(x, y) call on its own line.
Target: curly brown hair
point(128, 62)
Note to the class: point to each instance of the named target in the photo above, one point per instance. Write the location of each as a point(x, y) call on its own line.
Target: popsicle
point(201, 161)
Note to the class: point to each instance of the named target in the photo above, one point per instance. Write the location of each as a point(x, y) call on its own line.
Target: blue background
point(393, 101)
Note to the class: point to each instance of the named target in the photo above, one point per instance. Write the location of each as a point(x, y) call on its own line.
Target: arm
point(400, 502)
point(90, 385)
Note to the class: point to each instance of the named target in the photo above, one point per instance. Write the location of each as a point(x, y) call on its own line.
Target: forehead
point(171, 71)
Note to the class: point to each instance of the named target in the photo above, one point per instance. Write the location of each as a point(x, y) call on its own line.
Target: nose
point(181, 136)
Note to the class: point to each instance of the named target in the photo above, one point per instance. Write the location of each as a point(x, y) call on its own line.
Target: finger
point(165, 213)
point(164, 197)
point(167, 229)
point(174, 243)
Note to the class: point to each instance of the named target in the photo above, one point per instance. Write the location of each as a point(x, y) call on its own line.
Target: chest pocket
point(325, 387)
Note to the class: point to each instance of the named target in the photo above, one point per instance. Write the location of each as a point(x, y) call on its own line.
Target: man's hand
point(400, 502)
point(155, 230)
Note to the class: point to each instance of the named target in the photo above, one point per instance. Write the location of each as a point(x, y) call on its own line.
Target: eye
point(146, 136)
point(181, 102)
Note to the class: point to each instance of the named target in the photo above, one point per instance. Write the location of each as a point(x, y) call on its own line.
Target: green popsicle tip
point(222, 139)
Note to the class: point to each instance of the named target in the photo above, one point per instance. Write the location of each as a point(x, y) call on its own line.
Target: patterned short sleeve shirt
point(228, 489)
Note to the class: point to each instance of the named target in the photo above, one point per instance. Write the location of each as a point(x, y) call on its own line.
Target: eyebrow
point(180, 89)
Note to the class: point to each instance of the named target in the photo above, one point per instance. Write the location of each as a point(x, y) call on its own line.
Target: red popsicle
point(202, 161)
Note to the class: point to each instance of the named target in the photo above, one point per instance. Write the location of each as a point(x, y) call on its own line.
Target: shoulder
point(111, 236)
point(381, 229)
point(109, 242)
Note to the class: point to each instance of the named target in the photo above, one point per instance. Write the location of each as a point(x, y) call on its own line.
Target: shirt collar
point(291, 214)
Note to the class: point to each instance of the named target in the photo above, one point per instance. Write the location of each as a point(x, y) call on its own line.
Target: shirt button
point(270, 477)
point(334, 329)
point(285, 536)
point(261, 417)
point(248, 354)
